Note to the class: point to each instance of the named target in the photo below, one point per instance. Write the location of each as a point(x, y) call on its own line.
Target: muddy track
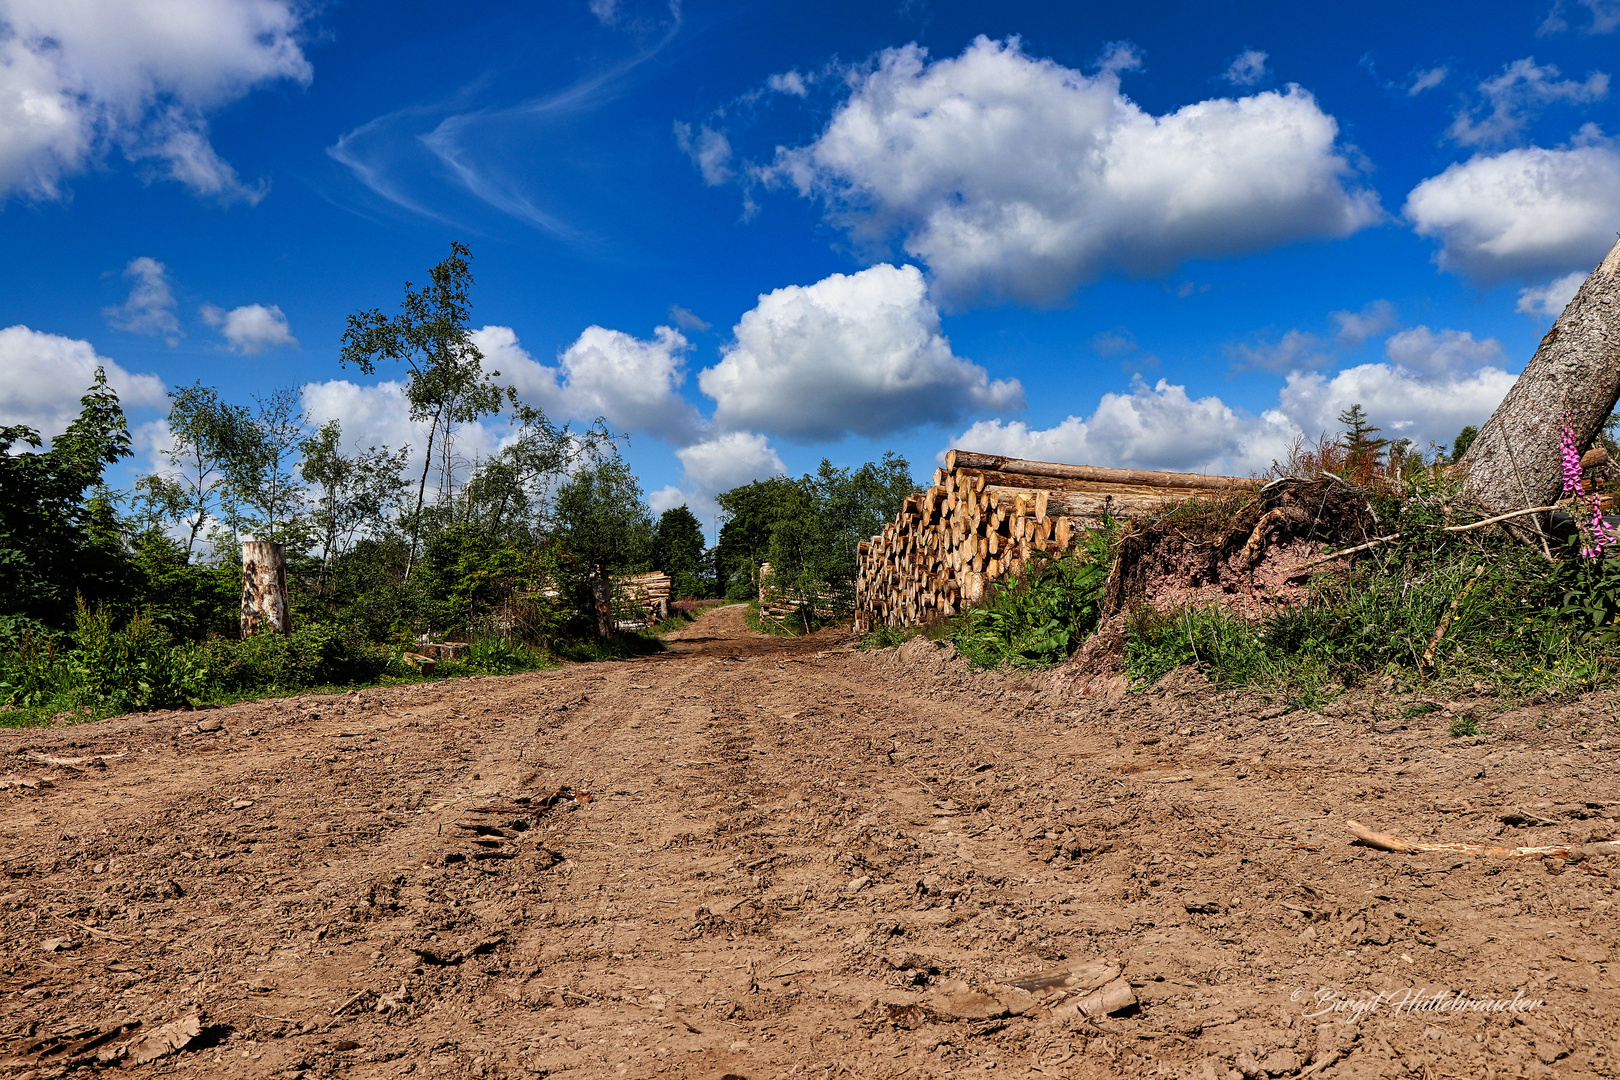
point(760, 857)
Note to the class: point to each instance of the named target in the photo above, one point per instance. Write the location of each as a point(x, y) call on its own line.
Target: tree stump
point(264, 589)
point(1574, 378)
point(602, 593)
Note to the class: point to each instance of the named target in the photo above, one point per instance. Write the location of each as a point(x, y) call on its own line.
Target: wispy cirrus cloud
point(450, 160)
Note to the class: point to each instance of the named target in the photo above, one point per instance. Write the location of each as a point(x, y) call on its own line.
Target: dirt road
point(799, 860)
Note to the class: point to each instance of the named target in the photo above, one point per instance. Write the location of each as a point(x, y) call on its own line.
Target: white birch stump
point(264, 589)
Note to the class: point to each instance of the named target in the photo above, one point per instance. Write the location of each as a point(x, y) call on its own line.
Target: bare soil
point(763, 857)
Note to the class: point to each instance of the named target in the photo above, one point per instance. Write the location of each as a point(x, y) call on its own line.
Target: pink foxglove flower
point(1601, 535)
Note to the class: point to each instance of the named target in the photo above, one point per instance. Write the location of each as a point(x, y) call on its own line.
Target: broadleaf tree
point(446, 383)
point(603, 520)
point(678, 550)
point(52, 507)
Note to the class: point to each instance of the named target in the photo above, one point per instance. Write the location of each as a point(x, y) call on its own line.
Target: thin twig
point(1498, 517)
point(1451, 613)
point(1330, 556)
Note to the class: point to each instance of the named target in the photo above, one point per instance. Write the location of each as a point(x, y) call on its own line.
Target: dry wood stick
point(1330, 556)
point(1498, 517)
point(1386, 842)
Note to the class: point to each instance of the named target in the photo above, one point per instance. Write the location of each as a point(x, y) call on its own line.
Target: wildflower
point(1602, 536)
point(1572, 462)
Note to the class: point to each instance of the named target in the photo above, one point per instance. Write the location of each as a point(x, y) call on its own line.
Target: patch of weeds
point(1465, 725)
point(1420, 708)
point(683, 613)
point(1042, 617)
point(761, 622)
point(492, 654)
point(1228, 649)
point(621, 646)
point(889, 637)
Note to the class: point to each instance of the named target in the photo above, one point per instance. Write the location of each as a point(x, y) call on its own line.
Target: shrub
point(133, 667)
point(1043, 616)
point(316, 654)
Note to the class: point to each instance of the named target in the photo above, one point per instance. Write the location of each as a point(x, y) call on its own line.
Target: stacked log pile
point(644, 596)
point(986, 516)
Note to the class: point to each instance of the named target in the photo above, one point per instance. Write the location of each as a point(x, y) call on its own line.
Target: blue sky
point(754, 235)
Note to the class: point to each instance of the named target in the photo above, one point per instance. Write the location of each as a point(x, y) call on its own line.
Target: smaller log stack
point(647, 593)
point(986, 516)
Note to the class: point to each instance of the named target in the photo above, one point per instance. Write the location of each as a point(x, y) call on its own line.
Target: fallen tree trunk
point(1092, 474)
point(1574, 378)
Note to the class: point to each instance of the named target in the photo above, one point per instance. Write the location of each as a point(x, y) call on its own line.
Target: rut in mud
point(756, 857)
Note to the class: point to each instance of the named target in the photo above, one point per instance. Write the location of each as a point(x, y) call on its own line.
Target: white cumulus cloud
point(151, 303)
point(789, 82)
point(727, 461)
point(1426, 351)
point(1151, 427)
point(1601, 17)
point(715, 465)
point(1426, 79)
point(1549, 300)
point(1523, 213)
point(632, 382)
point(1354, 327)
point(859, 353)
point(1016, 177)
point(380, 415)
point(251, 328)
point(1433, 384)
point(1295, 350)
point(81, 77)
point(1403, 403)
point(42, 377)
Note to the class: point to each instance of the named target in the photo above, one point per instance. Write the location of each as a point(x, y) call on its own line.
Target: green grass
point(1462, 726)
point(791, 626)
point(103, 670)
point(625, 645)
point(1505, 632)
point(679, 620)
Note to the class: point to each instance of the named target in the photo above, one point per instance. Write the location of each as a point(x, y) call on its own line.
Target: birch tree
point(432, 337)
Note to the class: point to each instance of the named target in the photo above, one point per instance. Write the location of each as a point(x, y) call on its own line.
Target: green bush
point(491, 654)
point(1043, 616)
point(316, 654)
point(113, 668)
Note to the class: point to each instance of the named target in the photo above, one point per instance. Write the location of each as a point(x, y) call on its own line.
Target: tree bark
point(421, 493)
point(1574, 378)
point(602, 589)
point(264, 589)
